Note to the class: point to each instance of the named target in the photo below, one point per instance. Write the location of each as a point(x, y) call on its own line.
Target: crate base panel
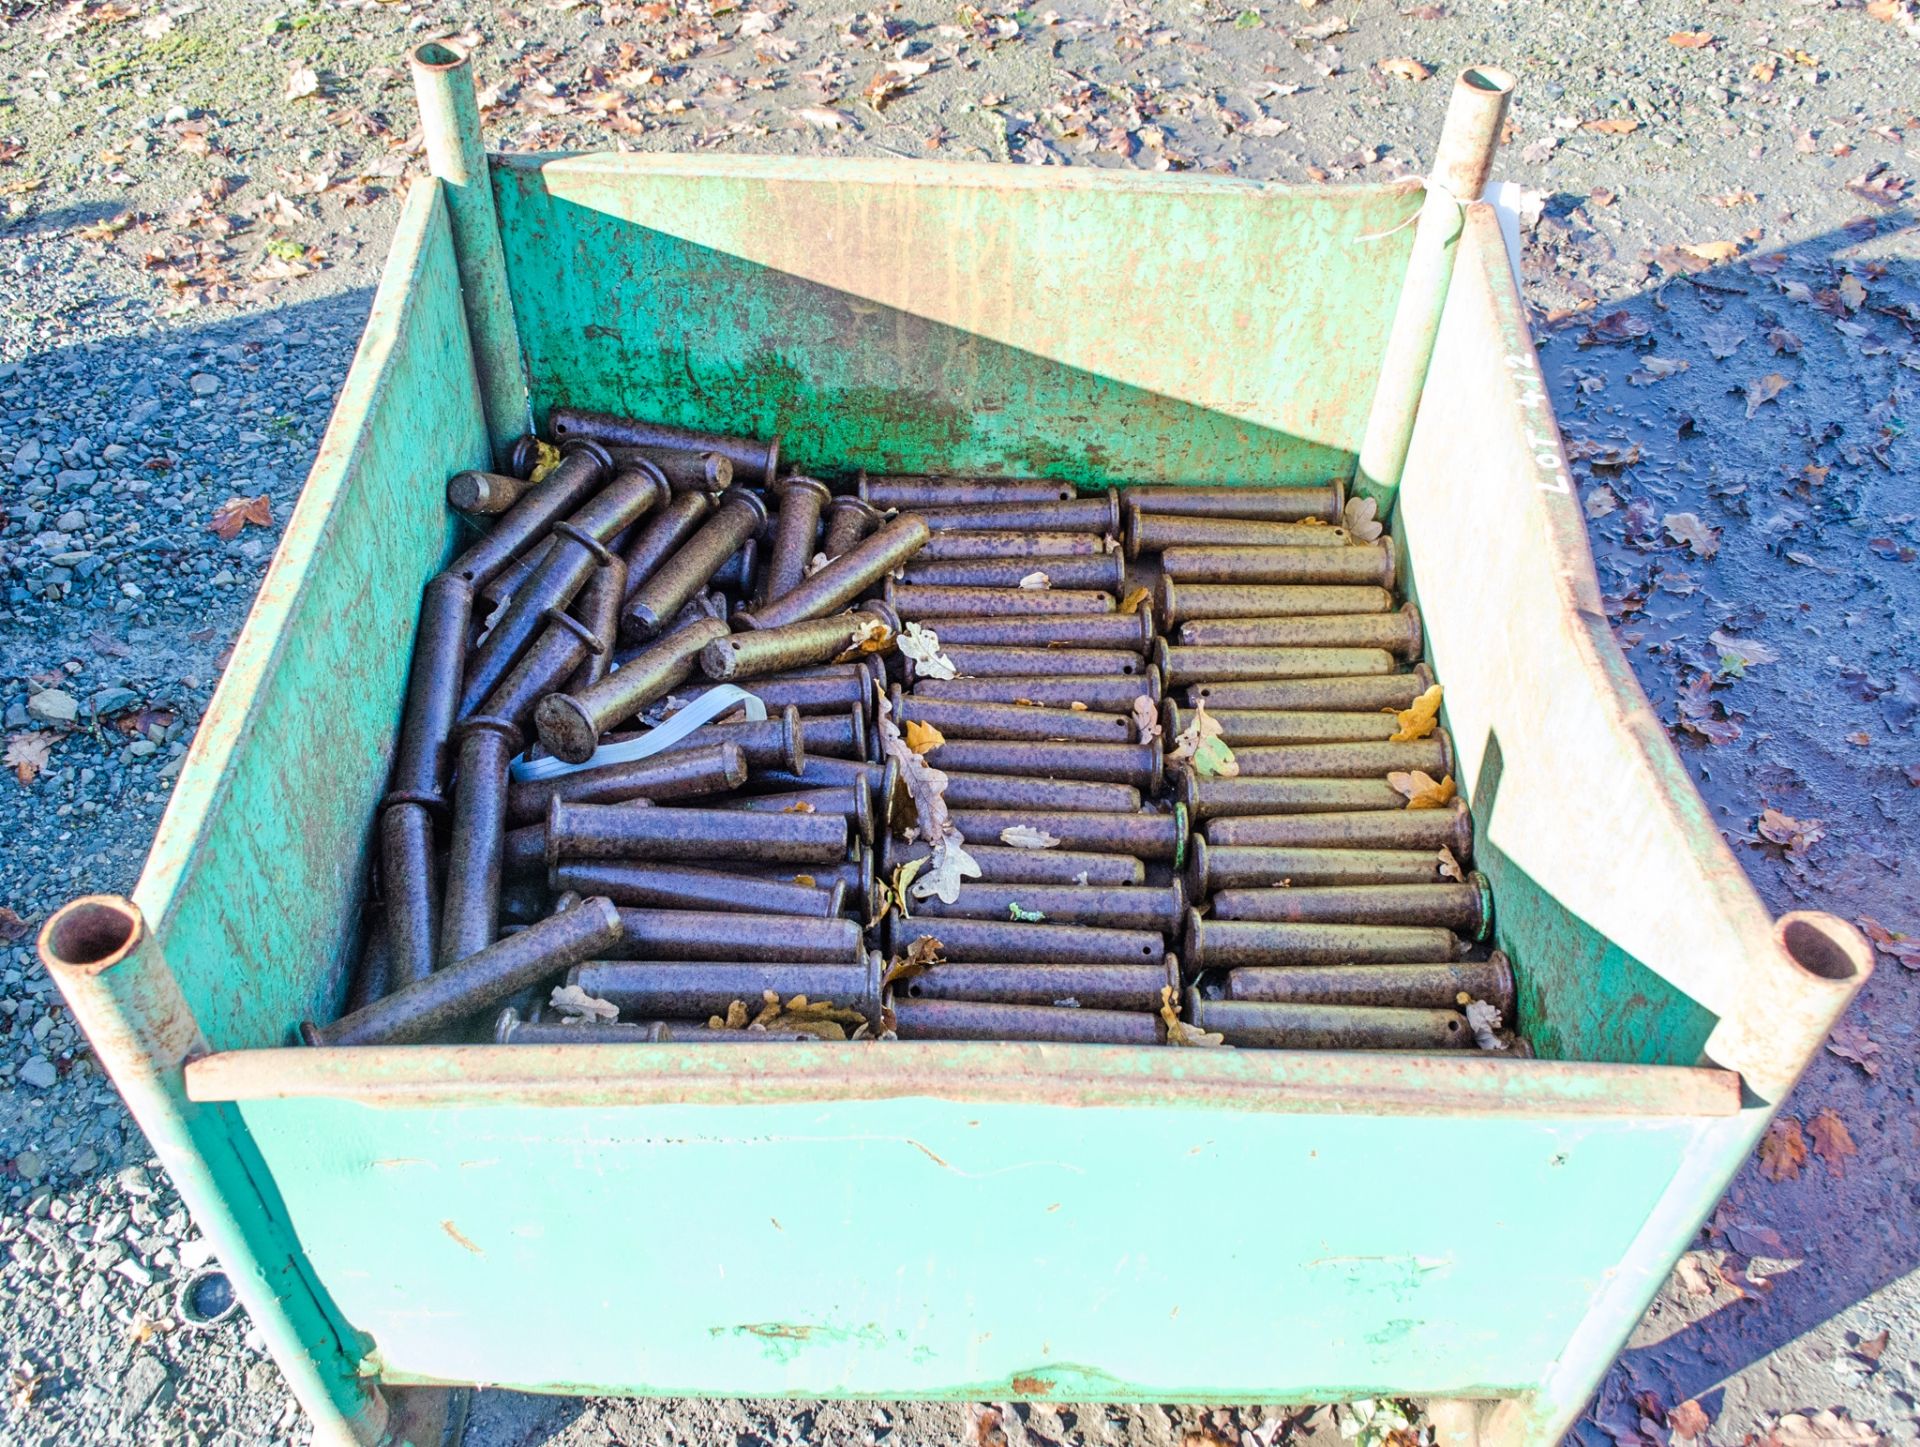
point(814, 1239)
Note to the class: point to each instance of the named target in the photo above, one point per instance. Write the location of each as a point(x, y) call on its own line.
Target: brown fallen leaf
point(1201, 744)
point(923, 954)
point(1361, 518)
point(1832, 1141)
point(1448, 865)
point(1713, 250)
point(923, 736)
point(1903, 949)
point(1697, 1276)
point(1421, 790)
point(236, 512)
point(1025, 836)
point(1764, 389)
point(1700, 539)
point(577, 1006)
point(12, 927)
point(303, 83)
point(1179, 1032)
point(1612, 125)
point(27, 755)
point(1131, 603)
point(1795, 835)
point(1688, 1420)
point(1691, 39)
point(1825, 1428)
point(1852, 1044)
point(1418, 721)
point(1704, 716)
point(1783, 1150)
point(1146, 719)
point(1404, 67)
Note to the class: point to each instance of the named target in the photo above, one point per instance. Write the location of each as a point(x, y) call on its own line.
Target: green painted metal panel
point(928, 1246)
point(935, 317)
point(255, 876)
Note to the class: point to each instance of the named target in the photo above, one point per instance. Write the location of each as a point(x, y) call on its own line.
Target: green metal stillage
point(954, 1220)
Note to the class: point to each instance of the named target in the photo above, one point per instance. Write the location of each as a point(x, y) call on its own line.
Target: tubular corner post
point(110, 968)
point(1468, 140)
point(450, 121)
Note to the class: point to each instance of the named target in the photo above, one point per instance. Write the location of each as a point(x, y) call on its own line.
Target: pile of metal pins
point(1324, 911)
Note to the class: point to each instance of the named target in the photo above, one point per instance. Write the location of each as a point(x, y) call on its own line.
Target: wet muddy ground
point(1720, 260)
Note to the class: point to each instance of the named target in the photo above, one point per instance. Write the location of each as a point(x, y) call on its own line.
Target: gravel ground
point(1720, 258)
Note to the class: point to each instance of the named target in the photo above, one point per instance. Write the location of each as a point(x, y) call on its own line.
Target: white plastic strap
point(721, 699)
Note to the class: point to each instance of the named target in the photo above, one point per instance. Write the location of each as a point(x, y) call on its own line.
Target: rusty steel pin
point(1135, 764)
point(1259, 1024)
point(1109, 692)
point(622, 831)
point(557, 655)
point(484, 494)
point(1101, 572)
point(1087, 987)
point(510, 1029)
point(837, 736)
point(1131, 631)
point(1465, 908)
point(1180, 666)
point(1001, 864)
point(855, 876)
point(1355, 563)
point(1432, 755)
point(570, 724)
point(756, 461)
point(842, 689)
point(686, 934)
point(373, 972)
point(597, 607)
point(412, 928)
point(663, 535)
point(524, 455)
point(470, 914)
point(708, 987)
point(1375, 691)
point(914, 600)
point(1176, 602)
point(683, 774)
point(1208, 799)
point(421, 760)
point(982, 662)
point(1157, 838)
point(654, 885)
point(1135, 907)
point(1264, 504)
point(676, 580)
point(938, 490)
point(1397, 632)
point(981, 1020)
point(775, 743)
point(1450, 828)
point(989, 941)
point(500, 589)
point(578, 545)
point(774, 650)
point(739, 573)
point(848, 520)
point(1223, 944)
point(577, 478)
point(853, 802)
point(802, 500)
point(684, 471)
point(1433, 986)
point(1087, 515)
point(455, 991)
point(1012, 791)
point(845, 578)
point(1250, 866)
point(1240, 726)
point(1152, 532)
point(957, 719)
point(960, 546)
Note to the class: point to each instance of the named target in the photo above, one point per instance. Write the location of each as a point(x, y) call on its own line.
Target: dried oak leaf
point(12, 927)
point(922, 955)
point(1685, 527)
point(922, 646)
point(1853, 1045)
point(1146, 719)
point(1361, 517)
point(1783, 1150)
point(923, 736)
point(1419, 720)
point(872, 636)
point(1832, 1141)
point(1764, 389)
point(1903, 949)
point(1612, 125)
point(1025, 836)
point(27, 755)
point(1697, 1274)
point(1620, 326)
point(1688, 1420)
point(1179, 1032)
point(1826, 1428)
point(1403, 67)
point(1448, 866)
point(1691, 40)
point(1703, 716)
point(236, 512)
point(1036, 582)
point(1200, 744)
point(546, 457)
point(576, 1005)
point(1421, 790)
point(1484, 1020)
point(1131, 603)
point(1796, 835)
point(926, 787)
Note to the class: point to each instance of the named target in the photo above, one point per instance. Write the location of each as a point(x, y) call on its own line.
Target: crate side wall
point(1613, 891)
point(909, 317)
point(259, 866)
point(884, 1247)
